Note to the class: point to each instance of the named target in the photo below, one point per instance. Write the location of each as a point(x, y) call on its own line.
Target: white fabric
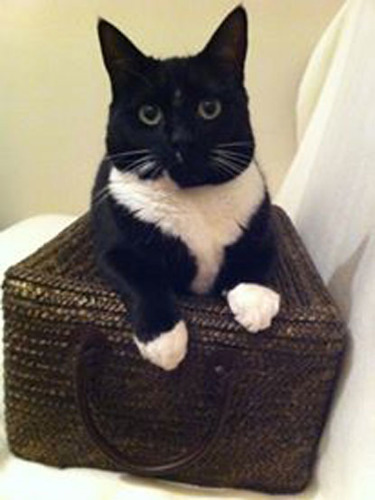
point(316, 72)
point(330, 193)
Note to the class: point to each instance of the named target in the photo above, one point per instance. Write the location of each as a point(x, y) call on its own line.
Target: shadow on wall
point(341, 287)
point(340, 284)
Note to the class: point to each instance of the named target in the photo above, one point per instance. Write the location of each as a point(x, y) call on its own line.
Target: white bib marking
point(205, 218)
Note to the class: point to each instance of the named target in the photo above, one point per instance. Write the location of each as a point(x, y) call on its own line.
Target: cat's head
point(187, 116)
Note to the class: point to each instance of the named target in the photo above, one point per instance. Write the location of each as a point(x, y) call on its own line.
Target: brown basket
point(241, 411)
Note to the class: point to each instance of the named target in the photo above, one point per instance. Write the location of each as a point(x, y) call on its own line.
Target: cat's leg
point(243, 277)
point(159, 331)
point(160, 334)
point(252, 302)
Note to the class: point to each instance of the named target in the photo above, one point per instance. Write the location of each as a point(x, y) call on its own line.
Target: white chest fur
point(206, 219)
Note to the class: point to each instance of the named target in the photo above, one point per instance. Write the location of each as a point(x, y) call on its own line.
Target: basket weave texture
point(275, 395)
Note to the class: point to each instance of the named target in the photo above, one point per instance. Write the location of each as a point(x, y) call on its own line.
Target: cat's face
point(187, 117)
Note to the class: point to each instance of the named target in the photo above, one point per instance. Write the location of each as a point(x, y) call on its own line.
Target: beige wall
point(54, 91)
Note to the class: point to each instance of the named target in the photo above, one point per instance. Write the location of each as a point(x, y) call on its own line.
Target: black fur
point(145, 266)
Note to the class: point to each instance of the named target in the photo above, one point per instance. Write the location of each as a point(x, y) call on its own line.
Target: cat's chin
point(184, 179)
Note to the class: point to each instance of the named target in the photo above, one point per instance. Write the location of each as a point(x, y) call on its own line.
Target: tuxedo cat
point(179, 205)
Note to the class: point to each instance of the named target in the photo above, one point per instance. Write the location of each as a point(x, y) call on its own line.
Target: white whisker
point(146, 167)
point(134, 165)
point(237, 143)
point(243, 161)
point(100, 192)
point(100, 199)
point(157, 170)
point(232, 166)
point(229, 151)
point(126, 154)
point(222, 167)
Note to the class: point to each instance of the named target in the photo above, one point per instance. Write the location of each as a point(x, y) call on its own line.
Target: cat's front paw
point(168, 349)
point(254, 306)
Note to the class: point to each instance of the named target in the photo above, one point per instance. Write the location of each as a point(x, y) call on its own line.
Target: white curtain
point(330, 194)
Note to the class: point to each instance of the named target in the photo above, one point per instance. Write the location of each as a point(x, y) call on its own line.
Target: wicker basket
point(242, 410)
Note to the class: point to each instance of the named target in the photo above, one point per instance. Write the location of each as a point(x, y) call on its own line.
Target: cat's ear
point(121, 57)
point(229, 42)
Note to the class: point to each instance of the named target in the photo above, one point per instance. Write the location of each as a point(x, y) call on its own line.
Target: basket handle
point(95, 344)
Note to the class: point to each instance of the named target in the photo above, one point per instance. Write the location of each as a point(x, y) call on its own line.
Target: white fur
point(253, 305)
point(168, 350)
point(205, 218)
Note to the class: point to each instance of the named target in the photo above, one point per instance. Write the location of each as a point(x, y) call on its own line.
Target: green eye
point(209, 109)
point(150, 114)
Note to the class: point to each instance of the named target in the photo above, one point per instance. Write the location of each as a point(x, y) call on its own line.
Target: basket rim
point(30, 280)
point(197, 315)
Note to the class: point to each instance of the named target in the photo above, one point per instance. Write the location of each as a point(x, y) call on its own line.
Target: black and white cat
point(179, 206)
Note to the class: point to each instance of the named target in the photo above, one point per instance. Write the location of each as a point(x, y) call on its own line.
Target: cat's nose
point(181, 138)
point(181, 141)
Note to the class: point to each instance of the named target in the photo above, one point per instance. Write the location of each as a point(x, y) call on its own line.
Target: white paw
point(253, 306)
point(167, 350)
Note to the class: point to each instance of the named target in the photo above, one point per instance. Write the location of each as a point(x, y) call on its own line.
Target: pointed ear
point(229, 42)
point(121, 57)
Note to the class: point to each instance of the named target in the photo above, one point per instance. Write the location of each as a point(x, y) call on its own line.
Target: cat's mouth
point(183, 168)
point(186, 173)
point(185, 179)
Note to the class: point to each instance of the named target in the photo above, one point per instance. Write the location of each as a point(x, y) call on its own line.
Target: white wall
point(54, 91)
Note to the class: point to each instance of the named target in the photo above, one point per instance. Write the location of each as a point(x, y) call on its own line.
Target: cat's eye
point(209, 109)
point(150, 114)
